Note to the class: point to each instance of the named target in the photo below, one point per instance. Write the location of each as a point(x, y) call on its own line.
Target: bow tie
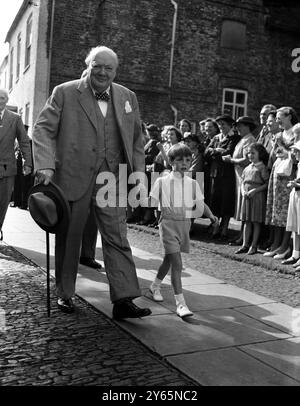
point(102, 96)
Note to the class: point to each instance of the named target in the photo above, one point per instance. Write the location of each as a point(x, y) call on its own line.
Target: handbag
point(285, 167)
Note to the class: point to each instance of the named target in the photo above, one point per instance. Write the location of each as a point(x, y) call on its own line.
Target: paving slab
point(277, 315)
point(283, 355)
point(229, 367)
point(214, 296)
point(205, 330)
point(239, 337)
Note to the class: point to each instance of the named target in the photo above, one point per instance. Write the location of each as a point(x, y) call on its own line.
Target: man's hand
point(44, 176)
point(26, 170)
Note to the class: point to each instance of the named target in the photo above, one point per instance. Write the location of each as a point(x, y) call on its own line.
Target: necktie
point(102, 96)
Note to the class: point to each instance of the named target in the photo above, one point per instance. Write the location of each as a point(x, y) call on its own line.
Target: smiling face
point(263, 115)
point(181, 164)
point(253, 155)
point(224, 126)
point(172, 137)
point(184, 127)
point(284, 120)
point(210, 129)
point(102, 70)
point(272, 124)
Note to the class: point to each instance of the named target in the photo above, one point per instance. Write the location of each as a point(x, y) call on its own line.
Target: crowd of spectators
point(250, 173)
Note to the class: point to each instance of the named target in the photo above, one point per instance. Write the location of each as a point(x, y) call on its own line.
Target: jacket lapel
point(119, 103)
point(87, 101)
point(6, 122)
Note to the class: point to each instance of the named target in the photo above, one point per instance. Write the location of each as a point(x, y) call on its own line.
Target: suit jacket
point(12, 129)
point(65, 134)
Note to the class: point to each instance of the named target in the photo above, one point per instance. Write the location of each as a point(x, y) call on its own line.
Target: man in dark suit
point(11, 129)
point(87, 128)
point(89, 241)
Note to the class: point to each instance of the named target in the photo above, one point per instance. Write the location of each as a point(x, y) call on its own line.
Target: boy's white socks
point(179, 299)
point(296, 254)
point(156, 283)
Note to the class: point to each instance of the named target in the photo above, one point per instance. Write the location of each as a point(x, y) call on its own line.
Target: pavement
point(234, 338)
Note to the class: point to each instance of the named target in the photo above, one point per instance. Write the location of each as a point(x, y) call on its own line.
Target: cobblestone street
point(81, 349)
point(89, 349)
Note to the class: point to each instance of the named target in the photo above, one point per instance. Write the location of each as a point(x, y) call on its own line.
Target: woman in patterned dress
point(278, 191)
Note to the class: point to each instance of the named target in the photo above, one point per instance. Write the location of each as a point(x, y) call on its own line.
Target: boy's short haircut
point(179, 150)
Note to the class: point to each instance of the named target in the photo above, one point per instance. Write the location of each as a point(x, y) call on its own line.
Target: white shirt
point(178, 197)
point(1, 114)
point(103, 104)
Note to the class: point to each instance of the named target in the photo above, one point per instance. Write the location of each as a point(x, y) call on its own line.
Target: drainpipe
point(175, 111)
point(50, 48)
point(173, 41)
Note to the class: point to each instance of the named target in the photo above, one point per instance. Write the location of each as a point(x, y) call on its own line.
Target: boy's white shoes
point(183, 311)
point(155, 293)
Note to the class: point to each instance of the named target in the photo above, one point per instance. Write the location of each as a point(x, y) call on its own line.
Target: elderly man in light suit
point(11, 129)
point(87, 127)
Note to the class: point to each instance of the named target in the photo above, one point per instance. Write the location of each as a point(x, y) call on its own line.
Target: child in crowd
point(253, 189)
point(179, 199)
point(293, 219)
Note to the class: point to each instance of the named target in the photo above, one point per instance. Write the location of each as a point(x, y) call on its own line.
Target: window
point(234, 102)
point(27, 108)
point(28, 41)
point(11, 68)
point(18, 56)
point(233, 35)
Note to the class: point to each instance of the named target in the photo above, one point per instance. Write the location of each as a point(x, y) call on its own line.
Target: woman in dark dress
point(221, 195)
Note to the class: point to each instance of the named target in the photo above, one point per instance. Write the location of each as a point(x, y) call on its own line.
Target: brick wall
point(141, 32)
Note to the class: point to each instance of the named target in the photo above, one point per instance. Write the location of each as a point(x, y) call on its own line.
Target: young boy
point(179, 199)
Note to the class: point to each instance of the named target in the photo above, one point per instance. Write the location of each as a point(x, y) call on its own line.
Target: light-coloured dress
point(240, 151)
point(293, 218)
point(254, 209)
point(278, 192)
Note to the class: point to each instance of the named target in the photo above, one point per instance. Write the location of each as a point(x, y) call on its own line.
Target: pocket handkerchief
point(128, 108)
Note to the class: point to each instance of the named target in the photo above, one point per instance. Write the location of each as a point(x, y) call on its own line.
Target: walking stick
point(48, 273)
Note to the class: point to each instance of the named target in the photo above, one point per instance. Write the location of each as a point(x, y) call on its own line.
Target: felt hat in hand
point(49, 208)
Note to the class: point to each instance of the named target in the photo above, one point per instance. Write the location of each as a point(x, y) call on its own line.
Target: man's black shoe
point(91, 262)
point(124, 309)
point(65, 305)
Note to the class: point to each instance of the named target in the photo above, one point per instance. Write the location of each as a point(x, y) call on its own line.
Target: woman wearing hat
point(245, 125)
point(221, 180)
point(278, 191)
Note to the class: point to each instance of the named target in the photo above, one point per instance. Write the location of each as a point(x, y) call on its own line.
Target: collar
point(95, 91)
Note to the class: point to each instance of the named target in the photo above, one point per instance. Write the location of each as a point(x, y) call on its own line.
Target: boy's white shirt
point(177, 195)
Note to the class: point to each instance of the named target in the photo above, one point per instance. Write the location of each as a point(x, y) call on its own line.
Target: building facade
point(184, 58)
point(27, 71)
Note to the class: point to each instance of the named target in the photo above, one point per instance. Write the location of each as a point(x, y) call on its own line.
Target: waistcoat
point(110, 145)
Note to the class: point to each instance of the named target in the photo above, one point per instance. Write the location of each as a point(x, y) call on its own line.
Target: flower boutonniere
point(128, 108)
